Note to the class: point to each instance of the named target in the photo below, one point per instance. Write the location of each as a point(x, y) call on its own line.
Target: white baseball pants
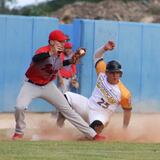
point(80, 104)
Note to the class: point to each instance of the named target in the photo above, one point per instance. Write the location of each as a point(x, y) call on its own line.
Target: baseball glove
point(78, 54)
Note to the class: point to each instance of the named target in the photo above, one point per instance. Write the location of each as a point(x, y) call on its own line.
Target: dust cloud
point(143, 128)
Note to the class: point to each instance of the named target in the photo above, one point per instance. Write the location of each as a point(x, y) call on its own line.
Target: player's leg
point(97, 126)
point(54, 96)
point(27, 93)
point(79, 103)
point(65, 86)
point(98, 119)
point(60, 119)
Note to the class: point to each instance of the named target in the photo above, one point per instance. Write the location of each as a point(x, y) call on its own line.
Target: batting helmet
point(114, 66)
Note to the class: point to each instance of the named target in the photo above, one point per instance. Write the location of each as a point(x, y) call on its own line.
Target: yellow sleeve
point(125, 96)
point(100, 66)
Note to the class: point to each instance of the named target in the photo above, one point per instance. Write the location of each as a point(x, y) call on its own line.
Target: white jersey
point(105, 98)
point(105, 95)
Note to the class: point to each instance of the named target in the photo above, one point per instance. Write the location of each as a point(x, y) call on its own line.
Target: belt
point(36, 83)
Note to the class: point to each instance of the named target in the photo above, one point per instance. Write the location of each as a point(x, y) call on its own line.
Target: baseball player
point(38, 84)
point(108, 94)
point(67, 74)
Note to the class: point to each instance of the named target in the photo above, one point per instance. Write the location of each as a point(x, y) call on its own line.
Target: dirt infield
point(42, 126)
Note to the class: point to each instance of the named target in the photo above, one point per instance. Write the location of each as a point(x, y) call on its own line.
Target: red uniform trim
point(43, 49)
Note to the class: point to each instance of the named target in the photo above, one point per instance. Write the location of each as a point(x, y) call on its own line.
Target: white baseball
point(82, 51)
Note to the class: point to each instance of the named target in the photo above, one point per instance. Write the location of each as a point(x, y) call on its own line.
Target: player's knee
point(97, 126)
point(20, 107)
point(21, 104)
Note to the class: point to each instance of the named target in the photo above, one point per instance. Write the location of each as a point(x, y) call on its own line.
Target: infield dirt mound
point(142, 128)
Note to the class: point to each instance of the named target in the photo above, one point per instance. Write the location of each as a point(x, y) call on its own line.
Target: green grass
point(77, 150)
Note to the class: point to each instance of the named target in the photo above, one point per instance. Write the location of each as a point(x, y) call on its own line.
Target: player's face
point(58, 46)
point(113, 77)
point(68, 51)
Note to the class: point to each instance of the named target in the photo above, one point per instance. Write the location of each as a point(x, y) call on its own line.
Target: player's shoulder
point(100, 66)
point(43, 49)
point(123, 88)
point(125, 96)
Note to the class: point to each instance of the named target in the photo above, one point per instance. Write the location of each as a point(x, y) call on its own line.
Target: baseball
point(82, 51)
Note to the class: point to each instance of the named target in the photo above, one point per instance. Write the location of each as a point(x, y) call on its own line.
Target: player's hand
point(110, 45)
point(57, 48)
point(60, 81)
point(75, 83)
point(79, 53)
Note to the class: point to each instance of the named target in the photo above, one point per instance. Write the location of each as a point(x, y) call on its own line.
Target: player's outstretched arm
point(76, 57)
point(110, 45)
point(100, 65)
point(126, 118)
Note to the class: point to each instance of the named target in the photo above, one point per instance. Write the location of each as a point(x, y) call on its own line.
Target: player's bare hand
point(110, 45)
point(58, 47)
point(60, 80)
point(75, 83)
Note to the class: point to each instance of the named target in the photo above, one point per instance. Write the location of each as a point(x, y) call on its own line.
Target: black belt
point(36, 83)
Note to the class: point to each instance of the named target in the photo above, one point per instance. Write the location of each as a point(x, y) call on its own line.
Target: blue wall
point(19, 38)
point(137, 48)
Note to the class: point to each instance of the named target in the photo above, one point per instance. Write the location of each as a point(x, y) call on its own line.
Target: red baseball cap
point(68, 45)
point(57, 35)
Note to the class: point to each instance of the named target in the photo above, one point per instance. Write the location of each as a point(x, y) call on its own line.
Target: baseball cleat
point(99, 138)
point(17, 136)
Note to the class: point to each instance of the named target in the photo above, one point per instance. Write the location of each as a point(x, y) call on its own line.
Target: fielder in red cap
point(38, 84)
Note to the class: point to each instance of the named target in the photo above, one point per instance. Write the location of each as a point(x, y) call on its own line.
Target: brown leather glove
point(78, 54)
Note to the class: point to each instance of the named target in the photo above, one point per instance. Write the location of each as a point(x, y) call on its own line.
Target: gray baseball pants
point(53, 95)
